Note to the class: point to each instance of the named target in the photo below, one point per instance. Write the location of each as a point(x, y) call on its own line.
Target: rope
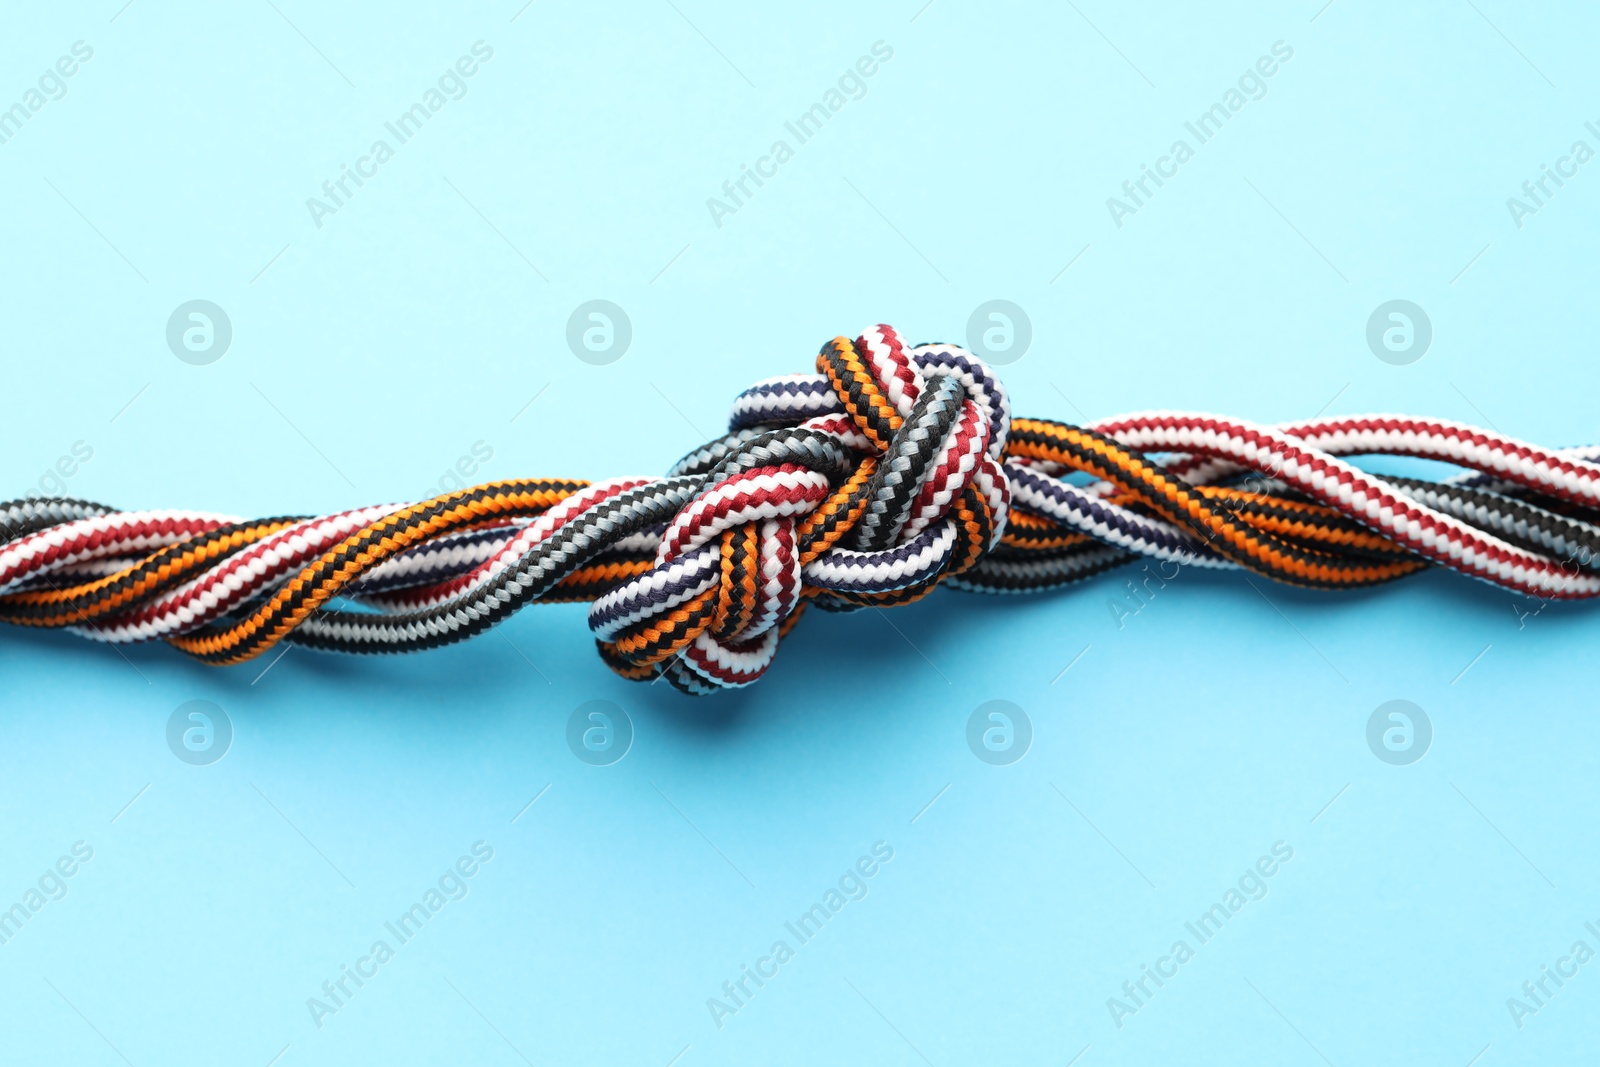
point(890, 471)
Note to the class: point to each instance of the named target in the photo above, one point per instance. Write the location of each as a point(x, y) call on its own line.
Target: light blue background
point(370, 353)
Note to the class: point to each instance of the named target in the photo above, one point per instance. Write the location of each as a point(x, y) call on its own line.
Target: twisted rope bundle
point(890, 471)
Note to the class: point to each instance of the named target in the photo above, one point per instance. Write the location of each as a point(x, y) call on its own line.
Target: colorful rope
point(890, 471)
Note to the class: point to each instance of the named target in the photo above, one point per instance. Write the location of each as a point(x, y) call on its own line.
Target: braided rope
point(891, 470)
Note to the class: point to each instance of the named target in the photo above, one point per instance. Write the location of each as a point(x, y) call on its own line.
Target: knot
point(865, 484)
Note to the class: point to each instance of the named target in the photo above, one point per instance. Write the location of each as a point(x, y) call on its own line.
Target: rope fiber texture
point(890, 471)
